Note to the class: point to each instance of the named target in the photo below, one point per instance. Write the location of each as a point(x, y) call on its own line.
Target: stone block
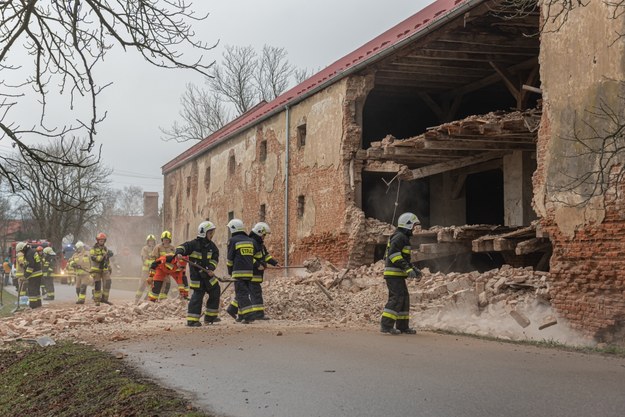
point(520, 318)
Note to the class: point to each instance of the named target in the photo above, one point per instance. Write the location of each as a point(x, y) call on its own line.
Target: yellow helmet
point(166, 235)
point(150, 237)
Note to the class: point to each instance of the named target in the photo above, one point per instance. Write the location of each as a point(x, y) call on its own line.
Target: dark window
point(262, 213)
point(301, 201)
point(301, 135)
point(231, 165)
point(263, 151)
point(230, 217)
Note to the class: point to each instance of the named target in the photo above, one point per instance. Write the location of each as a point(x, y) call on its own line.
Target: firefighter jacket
point(163, 250)
point(49, 264)
point(19, 265)
point(99, 258)
point(146, 257)
point(397, 264)
point(242, 250)
point(262, 258)
point(203, 252)
point(80, 262)
point(33, 264)
point(168, 265)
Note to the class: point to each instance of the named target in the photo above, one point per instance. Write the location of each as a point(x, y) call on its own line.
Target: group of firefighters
point(246, 261)
point(247, 258)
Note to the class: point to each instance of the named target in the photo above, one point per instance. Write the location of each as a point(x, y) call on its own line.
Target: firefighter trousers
point(194, 311)
point(397, 309)
point(242, 295)
point(34, 291)
point(48, 284)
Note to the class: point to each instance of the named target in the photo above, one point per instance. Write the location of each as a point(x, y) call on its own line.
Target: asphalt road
point(266, 369)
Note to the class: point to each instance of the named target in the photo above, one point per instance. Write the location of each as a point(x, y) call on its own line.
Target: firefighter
point(202, 251)
point(397, 267)
point(49, 266)
point(32, 273)
point(258, 233)
point(161, 269)
point(98, 255)
point(146, 260)
point(241, 262)
point(80, 263)
point(19, 269)
point(165, 248)
point(107, 277)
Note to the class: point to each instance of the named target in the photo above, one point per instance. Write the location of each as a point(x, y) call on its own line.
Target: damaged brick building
point(463, 114)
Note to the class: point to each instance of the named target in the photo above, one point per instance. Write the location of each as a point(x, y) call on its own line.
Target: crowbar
point(212, 272)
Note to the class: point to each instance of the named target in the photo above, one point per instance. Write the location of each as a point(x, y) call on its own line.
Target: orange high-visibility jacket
point(162, 268)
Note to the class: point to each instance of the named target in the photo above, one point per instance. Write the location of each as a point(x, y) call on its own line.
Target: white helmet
point(49, 251)
point(236, 225)
point(204, 227)
point(261, 228)
point(20, 246)
point(79, 245)
point(407, 221)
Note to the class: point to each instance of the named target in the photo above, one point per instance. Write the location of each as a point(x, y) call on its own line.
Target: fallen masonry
point(508, 303)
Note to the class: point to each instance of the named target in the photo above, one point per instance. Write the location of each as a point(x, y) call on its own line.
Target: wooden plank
point(451, 165)
point(532, 245)
point(443, 249)
point(479, 245)
point(478, 145)
point(501, 244)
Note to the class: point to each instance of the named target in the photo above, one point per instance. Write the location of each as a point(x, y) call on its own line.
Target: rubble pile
point(509, 303)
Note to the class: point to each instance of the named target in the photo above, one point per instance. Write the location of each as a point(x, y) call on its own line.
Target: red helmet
point(100, 236)
point(39, 248)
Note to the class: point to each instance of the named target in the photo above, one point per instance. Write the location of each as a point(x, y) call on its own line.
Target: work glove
point(150, 280)
point(414, 274)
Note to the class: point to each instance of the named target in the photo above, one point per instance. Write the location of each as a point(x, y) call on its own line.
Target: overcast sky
point(142, 98)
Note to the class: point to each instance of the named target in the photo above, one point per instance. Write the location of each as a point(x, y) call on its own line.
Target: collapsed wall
point(580, 166)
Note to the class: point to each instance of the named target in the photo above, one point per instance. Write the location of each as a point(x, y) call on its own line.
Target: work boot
point(48, 298)
point(263, 317)
point(390, 330)
point(233, 313)
point(80, 302)
point(409, 330)
point(194, 324)
point(107, 302)
point(211, 320)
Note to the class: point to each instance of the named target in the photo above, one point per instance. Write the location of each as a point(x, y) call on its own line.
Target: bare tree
point(274, 72)
point(128, 201)
point(75, 199)
point(234, 77)
point(65, 41)
point(203, 112)
point(301, 75)
point(242, 79)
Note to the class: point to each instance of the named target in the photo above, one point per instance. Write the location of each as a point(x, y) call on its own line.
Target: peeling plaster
point(271, 171)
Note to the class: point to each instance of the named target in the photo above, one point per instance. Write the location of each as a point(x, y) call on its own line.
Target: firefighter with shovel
point(203, 259)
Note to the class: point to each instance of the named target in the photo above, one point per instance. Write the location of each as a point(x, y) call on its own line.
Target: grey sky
point(142, 98)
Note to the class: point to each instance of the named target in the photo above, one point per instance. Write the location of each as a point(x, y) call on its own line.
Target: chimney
point(150, 204)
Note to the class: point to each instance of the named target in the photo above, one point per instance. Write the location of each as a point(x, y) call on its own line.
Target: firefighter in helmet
point(163, 249)
point(146, 260)
point(202, 251)
point(99, 267)
point(243, 257)
point(263, 258)
point(49, 266)
point(397, 267)
point(19, 268)
point(80, 263)
point(32, 273)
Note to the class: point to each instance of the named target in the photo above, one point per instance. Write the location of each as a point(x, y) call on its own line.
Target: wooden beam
point(507, 80)
point(433, 105)
point(479, 145)
point(430, 170)
point(532, 245)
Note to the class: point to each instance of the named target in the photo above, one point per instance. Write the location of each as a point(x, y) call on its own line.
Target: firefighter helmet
point(79, 245)
point(204, 227)
point(100, 236)
point(261, 229)
point(49, 251)
point(407, 221)
point(150, 237)
point(166, 235)
point(236, 225)
point(39, 248)
point(20, 246)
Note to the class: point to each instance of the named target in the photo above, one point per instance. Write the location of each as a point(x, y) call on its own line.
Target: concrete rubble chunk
point(548, 322)
point(520, 318)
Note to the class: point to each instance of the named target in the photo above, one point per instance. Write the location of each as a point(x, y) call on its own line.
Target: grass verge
point(8, 304)
point(73, 380)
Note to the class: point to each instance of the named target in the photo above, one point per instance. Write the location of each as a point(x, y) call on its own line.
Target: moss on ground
point(72, 380)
